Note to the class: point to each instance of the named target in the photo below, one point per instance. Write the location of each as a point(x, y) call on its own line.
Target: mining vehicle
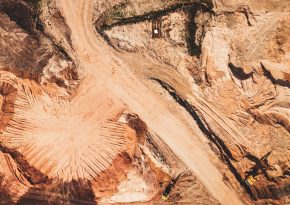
point(169, 187)
point(261, 166)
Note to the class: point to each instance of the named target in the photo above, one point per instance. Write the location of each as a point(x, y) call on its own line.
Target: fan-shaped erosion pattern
point(64, 141)
point(144, 102)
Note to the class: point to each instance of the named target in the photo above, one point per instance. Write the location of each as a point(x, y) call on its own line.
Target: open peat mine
point(144, 102)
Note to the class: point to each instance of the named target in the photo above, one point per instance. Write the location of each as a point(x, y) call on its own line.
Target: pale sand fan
point(62, 140)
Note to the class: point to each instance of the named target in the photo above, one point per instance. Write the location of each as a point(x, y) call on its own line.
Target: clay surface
point(109, 102)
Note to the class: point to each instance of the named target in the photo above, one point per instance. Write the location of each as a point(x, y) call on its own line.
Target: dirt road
point(104, 70)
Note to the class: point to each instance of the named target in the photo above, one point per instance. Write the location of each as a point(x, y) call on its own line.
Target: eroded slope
point(211, 96)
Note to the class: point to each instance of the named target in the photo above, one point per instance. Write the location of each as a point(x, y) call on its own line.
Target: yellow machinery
point(260, 166)
point(251, 180)
point(165, 197)
point(169, 187)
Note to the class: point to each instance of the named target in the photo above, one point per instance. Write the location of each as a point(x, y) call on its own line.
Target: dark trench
point(224, 151)
point(189, 8)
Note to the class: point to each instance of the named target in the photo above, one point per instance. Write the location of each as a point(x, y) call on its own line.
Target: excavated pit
point(225, 152)
point(251, 98)
point(79, 128)
point(193, 34)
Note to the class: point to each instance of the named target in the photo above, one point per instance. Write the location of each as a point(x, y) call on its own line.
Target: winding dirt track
point(105, 72)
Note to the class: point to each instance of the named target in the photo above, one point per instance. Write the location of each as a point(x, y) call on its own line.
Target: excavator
point(169, 187)
point(259, 167)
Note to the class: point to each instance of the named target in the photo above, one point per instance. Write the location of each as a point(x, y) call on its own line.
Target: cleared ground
point(104, 69)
